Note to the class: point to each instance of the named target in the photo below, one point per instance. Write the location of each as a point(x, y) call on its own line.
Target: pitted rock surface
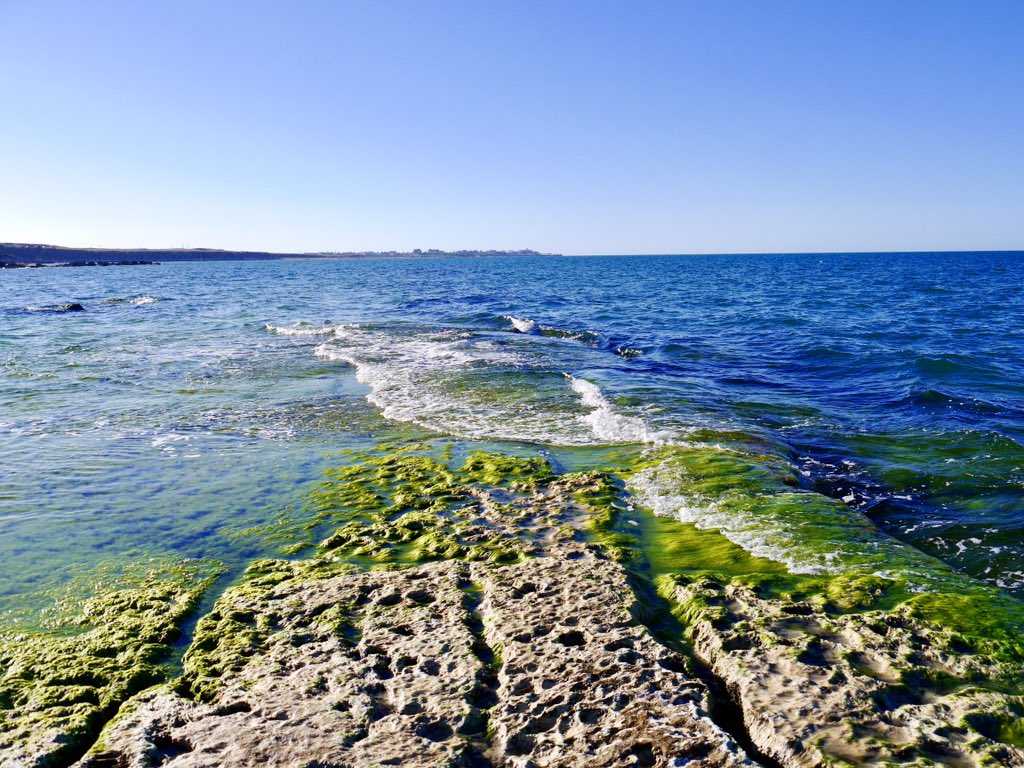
point(867, 689)
point(360, 669)
point(378, 668)
point(57, 690)
point(582, 684)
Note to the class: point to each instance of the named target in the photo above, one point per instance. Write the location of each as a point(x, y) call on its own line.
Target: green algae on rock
point(405, 509)
point(853, 663)
point(400, 509)
point(705, 495)
point(880, 655)
point(57, 688)
point(431, 656)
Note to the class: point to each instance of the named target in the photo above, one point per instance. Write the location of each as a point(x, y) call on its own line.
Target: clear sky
point(588, 127)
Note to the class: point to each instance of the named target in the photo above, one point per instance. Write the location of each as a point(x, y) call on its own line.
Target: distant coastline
point(37, 254)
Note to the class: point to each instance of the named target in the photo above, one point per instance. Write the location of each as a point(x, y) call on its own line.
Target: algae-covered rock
point(351, 668)
point(499, 614)
point(879, 687)
point(58, 688)
point(437, 655)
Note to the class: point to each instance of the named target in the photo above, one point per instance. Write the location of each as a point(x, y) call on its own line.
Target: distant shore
point(14, 255)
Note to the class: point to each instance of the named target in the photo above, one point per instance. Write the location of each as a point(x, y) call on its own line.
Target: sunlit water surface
point(189, 402)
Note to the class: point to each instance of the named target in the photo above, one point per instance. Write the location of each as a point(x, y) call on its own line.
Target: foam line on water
point(300, 329)
point(607, 424)
point(455, 382)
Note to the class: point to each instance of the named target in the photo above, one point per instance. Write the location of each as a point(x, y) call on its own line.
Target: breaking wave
point(300, 329)
point(532, 327)
point(55, 308)
point(457, 383)
point(607, 424)
point(466, 384)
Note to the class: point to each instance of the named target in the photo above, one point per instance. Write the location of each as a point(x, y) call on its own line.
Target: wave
point(606, 423)
point(139, 301)
point(521, 324)
point(659, 489)
point(954, 365)
point(466, 384)
point(939, 400)
point(806, 532)
point(456, 382)
point(300, 329)
point(627, 352)
point(528, 326)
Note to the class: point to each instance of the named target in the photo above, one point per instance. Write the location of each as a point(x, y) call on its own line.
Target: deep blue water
point(191, 400)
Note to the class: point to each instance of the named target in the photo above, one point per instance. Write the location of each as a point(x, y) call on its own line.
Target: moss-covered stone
point(724, 582)
point(57, 688)
point(496, 469)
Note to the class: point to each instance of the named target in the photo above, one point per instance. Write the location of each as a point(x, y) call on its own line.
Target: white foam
point(659, 489)
point(606, 423)
point(522, 324)
point(142, 300)
point(451, 381)
point(168, 442)
point(300, 329)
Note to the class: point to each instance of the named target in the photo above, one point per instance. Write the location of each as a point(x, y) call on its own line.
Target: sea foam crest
point(522, 324)
point(658, 489)
point(300, 328)
point(606, 423)
point(533, 328)
point(454, 382)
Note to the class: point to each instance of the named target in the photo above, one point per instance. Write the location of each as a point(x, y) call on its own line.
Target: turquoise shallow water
point(191, 401)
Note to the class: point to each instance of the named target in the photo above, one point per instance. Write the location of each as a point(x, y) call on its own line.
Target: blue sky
point(595, 127)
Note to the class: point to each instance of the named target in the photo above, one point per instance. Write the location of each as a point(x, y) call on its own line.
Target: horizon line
point(498, 251)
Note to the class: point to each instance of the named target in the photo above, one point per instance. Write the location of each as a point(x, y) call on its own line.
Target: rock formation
point(499, 614)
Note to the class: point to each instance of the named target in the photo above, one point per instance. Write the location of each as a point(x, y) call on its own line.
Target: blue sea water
point(189, 402)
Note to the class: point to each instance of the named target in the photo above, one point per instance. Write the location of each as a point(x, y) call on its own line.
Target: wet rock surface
point(581, 683)
point(873, 688)
point(498, 615)
point(460, 662)
point(57, 690)
point(359, 669)
point(392, 668)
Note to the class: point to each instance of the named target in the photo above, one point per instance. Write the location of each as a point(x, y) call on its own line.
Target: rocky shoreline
point(499, 614)
point(86, 263)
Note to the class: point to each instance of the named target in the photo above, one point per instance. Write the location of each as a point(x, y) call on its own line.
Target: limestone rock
point(581, 683)
point(867, 689)
point(444, 664)
point(58, 688)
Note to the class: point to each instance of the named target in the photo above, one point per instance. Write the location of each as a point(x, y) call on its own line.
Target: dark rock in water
point(71, 306)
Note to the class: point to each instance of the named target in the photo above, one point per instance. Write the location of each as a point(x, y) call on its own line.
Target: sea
point(187, 405)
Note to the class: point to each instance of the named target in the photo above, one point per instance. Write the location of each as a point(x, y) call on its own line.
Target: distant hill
point(32, 253)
